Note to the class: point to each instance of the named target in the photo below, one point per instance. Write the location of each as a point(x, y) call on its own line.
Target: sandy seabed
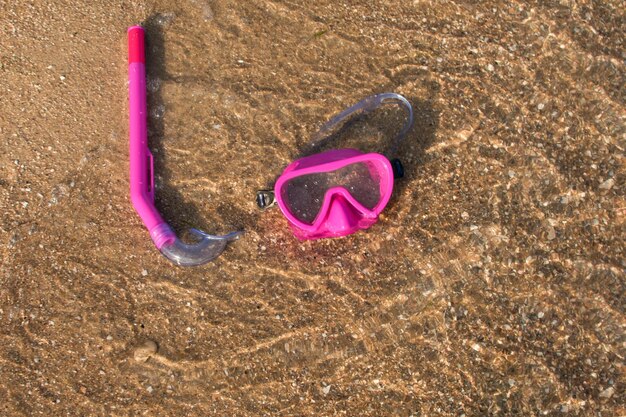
point(494, 283)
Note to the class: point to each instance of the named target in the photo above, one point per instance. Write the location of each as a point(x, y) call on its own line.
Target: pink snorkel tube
point(142, 172)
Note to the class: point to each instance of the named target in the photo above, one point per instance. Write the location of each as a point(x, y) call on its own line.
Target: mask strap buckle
point(265, 199)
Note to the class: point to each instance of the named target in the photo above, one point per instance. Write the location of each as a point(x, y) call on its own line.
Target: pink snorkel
point(142, 173)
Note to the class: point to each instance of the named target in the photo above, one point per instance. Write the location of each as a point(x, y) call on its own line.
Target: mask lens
point(304, 195)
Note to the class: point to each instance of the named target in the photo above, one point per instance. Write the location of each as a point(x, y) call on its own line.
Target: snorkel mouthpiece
point(208, 247)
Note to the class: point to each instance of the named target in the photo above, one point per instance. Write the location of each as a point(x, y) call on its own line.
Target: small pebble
point(165, 18)
point(607, 393)
point(145, 351)
point(476, 347)
point(326, 389)
point(153, 84)
point(144, 272)
point(207, 13)
point(608, 184)
point(490, 68)
point(157, 111)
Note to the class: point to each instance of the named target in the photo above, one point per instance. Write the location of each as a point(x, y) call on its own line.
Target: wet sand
point(493, 285)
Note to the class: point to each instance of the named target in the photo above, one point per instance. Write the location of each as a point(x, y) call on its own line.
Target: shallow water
point(493, 284)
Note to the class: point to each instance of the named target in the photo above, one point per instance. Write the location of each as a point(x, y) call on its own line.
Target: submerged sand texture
point(493, 285)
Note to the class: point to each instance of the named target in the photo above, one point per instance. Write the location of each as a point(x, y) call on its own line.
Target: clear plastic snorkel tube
point(207, 247)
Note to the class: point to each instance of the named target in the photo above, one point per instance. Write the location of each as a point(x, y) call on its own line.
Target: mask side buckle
point(265, 199)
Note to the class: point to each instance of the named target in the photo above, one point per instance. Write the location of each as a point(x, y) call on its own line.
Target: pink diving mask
point(338, 192)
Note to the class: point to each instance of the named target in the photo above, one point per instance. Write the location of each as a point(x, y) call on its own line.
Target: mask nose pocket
point(342, 216)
